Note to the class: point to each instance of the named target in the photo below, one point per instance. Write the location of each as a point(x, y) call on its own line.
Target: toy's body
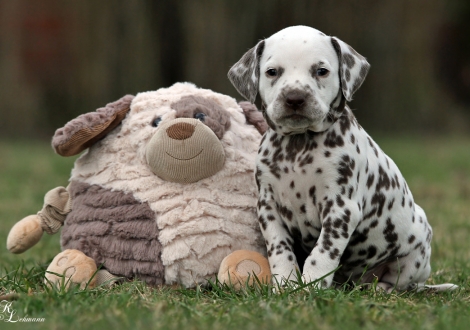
point(163, 197)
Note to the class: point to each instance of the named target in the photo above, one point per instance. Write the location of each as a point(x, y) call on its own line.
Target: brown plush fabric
point(83, 131)
point(116, 230)
point(180, 131)
point(254, 117)
point(216, 117)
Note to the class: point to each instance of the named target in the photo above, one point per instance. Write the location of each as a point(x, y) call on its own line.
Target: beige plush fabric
point(55, 209)
point(24, 234)
point(243, 267)
point(199, 223)
point(170, 158)
point(73, 268)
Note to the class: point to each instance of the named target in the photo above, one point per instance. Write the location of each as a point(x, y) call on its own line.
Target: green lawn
point(437, 171)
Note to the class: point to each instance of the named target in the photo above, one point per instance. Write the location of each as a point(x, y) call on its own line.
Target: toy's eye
point(200, 116)
point(322, 72)
point(156, 121)
point(271, 72)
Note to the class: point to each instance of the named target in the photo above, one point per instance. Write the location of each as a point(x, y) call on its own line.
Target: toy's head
point(165, 189)
point(181, 137)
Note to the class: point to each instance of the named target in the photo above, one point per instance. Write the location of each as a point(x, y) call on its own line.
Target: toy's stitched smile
point(185, 158)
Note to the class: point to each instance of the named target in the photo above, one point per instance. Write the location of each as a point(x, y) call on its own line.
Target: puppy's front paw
point(317, 280)
point(321, 283)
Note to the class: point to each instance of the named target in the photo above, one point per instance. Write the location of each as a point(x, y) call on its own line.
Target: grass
point(437, 171)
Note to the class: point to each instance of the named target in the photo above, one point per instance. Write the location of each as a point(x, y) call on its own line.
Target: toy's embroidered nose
point(180, 131)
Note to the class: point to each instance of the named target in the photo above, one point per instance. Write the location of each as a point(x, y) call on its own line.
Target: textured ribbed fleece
point(197, 224)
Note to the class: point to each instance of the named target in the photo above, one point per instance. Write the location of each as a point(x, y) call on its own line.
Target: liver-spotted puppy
point(328, 195)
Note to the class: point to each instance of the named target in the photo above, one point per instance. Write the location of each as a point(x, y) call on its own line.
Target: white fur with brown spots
point(329, 197)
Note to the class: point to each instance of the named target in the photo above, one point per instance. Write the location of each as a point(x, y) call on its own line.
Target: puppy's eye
point(322, 72)
point(200, 116)
point(156, 121)
point(271, 72)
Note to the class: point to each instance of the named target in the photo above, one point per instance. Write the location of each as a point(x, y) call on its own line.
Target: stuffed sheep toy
point(164, 192)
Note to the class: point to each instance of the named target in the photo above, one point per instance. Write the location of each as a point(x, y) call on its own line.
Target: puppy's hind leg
point(407, 273)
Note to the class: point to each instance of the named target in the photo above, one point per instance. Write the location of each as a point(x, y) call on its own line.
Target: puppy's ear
point(353, 68)
point(244, 75)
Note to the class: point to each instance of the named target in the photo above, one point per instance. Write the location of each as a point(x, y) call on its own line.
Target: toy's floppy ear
point(254, 117)
point(83, 131)
point(353, 68)
point(244, 75)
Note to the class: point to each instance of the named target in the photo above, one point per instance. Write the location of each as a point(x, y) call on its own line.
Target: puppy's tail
point(439, 287)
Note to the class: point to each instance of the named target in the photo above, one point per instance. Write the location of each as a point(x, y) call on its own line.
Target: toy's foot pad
point(241, 267)
point(24, 234)
point(72, 267)
point(105, 278)
point(248, 267)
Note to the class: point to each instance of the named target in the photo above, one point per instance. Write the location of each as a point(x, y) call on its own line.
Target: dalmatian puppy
point(330, 200)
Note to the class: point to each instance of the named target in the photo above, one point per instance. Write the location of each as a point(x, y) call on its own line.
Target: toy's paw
point(73, 267)
point(24, 234)
point(244, 267)
point(105, 278)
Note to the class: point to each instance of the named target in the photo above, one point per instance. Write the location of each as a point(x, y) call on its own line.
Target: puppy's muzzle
point(295, 101)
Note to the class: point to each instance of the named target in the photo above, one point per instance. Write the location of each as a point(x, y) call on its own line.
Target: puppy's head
point(303, 76)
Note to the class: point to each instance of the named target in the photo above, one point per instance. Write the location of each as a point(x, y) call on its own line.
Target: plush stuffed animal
point(164, 192)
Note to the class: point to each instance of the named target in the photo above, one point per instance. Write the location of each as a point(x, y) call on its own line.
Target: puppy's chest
point(292, 172)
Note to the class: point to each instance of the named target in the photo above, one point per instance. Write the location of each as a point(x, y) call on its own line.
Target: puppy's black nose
point(295, 99)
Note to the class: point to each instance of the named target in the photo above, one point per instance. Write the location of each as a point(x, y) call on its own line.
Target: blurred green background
point(61, 58)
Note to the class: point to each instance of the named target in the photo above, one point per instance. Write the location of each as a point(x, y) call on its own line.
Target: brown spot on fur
point(349, 60)
point(333, 140)
point(345, 169)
